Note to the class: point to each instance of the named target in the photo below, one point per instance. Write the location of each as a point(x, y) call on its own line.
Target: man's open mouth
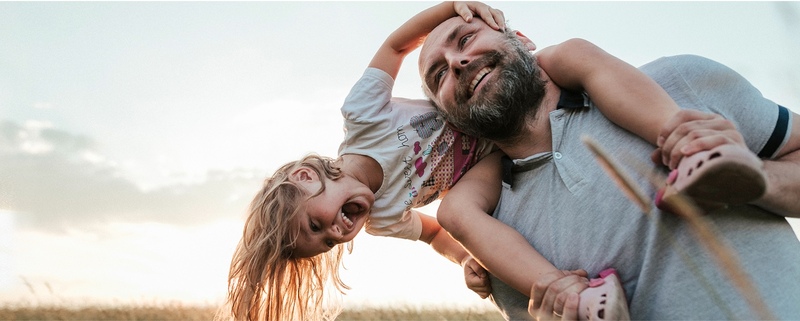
point(478, 78)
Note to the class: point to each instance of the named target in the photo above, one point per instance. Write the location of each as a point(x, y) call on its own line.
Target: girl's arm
point(463, 213)
point(389, 58)
point(624, 94)
point(411, 34)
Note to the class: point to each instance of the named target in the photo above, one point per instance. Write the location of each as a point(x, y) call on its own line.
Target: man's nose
point(457, 62)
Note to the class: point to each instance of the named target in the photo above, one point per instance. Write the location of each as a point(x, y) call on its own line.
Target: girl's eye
point(330, 243)
point(314, 227)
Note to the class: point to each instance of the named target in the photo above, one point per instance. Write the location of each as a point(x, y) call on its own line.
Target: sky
point(133, 134)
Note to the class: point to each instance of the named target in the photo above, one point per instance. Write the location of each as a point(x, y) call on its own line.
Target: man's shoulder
point(687, 64)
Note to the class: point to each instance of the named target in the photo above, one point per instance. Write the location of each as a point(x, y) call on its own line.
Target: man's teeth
point(478, 78)
point(347, 220)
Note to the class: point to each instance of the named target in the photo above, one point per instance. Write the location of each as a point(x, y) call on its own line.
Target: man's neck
point(536, 137)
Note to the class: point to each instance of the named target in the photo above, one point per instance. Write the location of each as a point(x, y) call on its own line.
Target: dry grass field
point(180, 312)
point(165, 312)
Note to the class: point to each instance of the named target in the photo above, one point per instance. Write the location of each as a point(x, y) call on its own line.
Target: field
point(189, 313)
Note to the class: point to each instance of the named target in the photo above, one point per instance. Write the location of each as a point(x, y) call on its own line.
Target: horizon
point(133, 134)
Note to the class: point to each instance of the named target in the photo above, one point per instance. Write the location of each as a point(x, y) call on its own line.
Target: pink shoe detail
point(725, 175)
point(673, 175)
point(593, 283)
point(604, 300)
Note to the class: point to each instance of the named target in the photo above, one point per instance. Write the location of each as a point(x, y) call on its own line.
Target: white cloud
point(30, 137)
point(70, 185)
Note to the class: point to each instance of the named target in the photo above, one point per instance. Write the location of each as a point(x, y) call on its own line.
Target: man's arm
point(691, 131)
point(783, 177)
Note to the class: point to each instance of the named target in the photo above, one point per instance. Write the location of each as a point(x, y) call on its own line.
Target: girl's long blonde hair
point(266, 282)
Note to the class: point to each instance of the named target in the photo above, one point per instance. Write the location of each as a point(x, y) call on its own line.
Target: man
point(565, 205)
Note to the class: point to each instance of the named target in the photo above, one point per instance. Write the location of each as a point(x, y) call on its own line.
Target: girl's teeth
point(347, 220)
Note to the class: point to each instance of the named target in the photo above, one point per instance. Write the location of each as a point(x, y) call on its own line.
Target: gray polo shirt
point(572, 212)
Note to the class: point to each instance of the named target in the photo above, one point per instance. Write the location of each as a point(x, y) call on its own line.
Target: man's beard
point(501, 109)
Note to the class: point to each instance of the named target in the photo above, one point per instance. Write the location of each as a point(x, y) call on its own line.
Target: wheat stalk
point(684, 207)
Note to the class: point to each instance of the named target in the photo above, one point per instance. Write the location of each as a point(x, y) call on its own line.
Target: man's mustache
point(492, 58)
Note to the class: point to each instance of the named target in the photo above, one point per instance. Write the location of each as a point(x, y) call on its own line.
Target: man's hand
point(555, 295)
point(691, 131)
point(476, 277)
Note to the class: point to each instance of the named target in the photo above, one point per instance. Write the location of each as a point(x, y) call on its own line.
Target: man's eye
point(314, 227)
point(464, 40)
point(440, 75)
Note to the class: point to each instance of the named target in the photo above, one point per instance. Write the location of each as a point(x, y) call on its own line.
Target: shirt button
point(557, 155)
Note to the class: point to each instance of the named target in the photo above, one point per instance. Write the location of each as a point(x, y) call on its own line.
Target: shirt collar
point(567, 100)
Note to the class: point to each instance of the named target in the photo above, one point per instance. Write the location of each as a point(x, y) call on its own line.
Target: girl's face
point(334, 216)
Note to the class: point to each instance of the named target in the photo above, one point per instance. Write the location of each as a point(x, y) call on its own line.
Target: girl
point(397, 154)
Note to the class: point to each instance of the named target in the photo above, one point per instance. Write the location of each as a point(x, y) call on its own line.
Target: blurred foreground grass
point(181, 312)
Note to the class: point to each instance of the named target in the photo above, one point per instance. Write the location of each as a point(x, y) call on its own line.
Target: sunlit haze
point(133, 134)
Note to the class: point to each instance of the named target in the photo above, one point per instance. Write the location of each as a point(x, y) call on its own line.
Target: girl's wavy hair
point(266, 282)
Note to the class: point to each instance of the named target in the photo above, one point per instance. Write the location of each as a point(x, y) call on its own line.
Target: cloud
point(56, 180)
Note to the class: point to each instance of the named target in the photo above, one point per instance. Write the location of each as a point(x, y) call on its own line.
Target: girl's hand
point(476, 277)
point(493, 17)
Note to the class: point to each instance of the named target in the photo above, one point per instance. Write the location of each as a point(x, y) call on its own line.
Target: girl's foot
point(604, 299)
point(725, 175)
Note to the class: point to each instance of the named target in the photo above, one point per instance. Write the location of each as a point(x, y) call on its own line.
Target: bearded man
point(488, 84)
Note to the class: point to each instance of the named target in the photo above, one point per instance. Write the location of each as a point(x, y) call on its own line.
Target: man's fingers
point(551, 290)
point(539, 288)
point(691, 131)
point(549, 287)
point(571, 307)
point(683, 116)
point(656, 157)
point(537, 294)
point(565, 287)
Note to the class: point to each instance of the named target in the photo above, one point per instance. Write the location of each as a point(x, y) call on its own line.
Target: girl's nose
point(336, 232)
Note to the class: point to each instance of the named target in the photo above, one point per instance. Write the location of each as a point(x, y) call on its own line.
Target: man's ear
point(527, 42)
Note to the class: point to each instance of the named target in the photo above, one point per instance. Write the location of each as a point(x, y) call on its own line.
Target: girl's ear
point(527, 42)
point(306, 178)
point(304, 175)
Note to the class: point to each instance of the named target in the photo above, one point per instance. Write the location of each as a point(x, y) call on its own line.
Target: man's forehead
point(441, 35)
point(435, 37)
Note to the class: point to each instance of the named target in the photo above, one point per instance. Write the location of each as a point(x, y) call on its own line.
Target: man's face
point(483, 80)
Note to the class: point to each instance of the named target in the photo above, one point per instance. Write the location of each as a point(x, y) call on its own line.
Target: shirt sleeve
point(709, 86)
point(369, 96)
point(409, 226)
